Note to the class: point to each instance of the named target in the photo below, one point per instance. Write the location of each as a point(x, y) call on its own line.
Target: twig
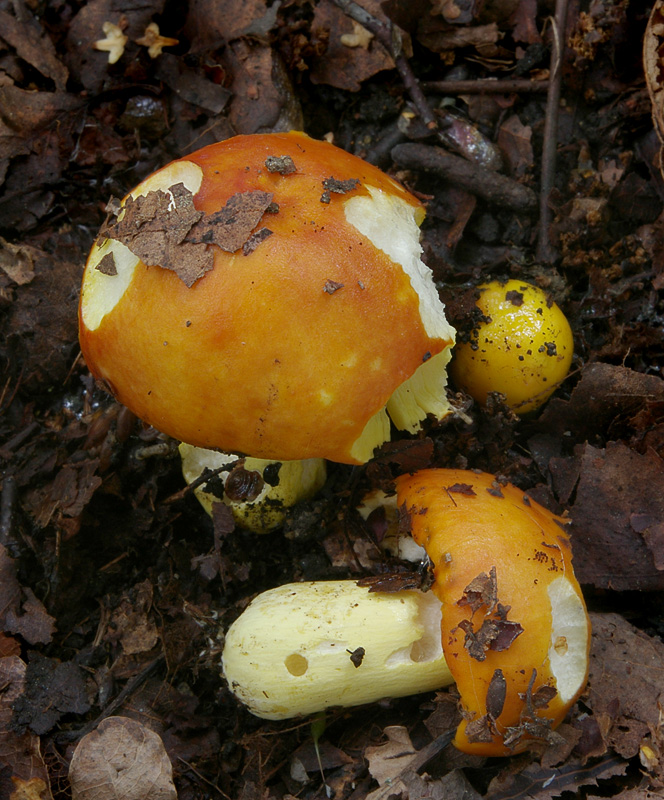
point(202, 778)
point(544, 250)
point(112, 707)
point(204, 477)
point(487, 184)
point(7, 506)
point(417, 764)
point(486, 86)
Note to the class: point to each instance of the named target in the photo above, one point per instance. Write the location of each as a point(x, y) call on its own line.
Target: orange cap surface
point(285, 348)
point(515, 631)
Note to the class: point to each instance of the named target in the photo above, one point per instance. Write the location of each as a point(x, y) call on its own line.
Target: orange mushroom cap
point(515, 630)
point(264, 295)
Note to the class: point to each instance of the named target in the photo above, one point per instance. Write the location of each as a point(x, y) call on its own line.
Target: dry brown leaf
point(515, 141)
point(121, 760)
point(539, 783)
point(607, 401)
point(34, 623)
point(626, 681)
point(388, 760)
point(616, 519)
point(26, 37)
point(210, 22)
point(19, 753)
point(18, 261)
point(653, 61)
point(524, 20)
point(132, 623)
point(452, 37)
point(340, 65)
point(263, 97)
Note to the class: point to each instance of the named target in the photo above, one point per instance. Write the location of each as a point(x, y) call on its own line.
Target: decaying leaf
point(33, 622)
point(493, 634)
point(20, 754)
point(631, 708)
point(121, 759)
point(230, 227)
point(132, 623)
point(333, 185)
point(481, 591)
point(616, 518)
point(387, 760)
point(52, 688)
point(653, 61)
point(164, 229)
point(339, 64)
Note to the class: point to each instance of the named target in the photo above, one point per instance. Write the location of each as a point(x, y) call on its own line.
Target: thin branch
point(544, 250)
point(487, 184)
point(486, 86)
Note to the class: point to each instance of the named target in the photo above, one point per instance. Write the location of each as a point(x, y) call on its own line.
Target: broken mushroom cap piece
point(265, 295)
point(522, 348)
point(304, 647)
point(515, 631)
point(258, 492)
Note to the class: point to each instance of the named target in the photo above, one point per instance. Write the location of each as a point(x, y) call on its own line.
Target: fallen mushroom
point(522, 348)
point(304, 647)
point(265, 295)
point(259, 492)
point(514, 628)
point(516, 632)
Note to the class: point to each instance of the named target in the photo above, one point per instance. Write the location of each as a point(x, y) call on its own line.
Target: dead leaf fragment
point(346, 62)
point(52, 688)
point(34, 624)
point(618, 493)
point(230, 227)
point(164, 229)
point(19, 753)
point(131, 621)
point(632, 707)
point(388, 760)
point(121, 760)
point(443, 37)
point(481, 591)
point(337, 187)
point(26, 36)
point(653, 60)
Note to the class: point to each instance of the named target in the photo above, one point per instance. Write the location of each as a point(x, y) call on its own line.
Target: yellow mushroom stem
point(304, 647)
point(259, 492)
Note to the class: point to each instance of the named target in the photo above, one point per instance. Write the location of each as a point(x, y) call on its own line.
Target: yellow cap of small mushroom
point(522, 348)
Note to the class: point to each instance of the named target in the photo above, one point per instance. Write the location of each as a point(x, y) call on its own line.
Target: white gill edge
point(390, 223)
point(568, 650)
